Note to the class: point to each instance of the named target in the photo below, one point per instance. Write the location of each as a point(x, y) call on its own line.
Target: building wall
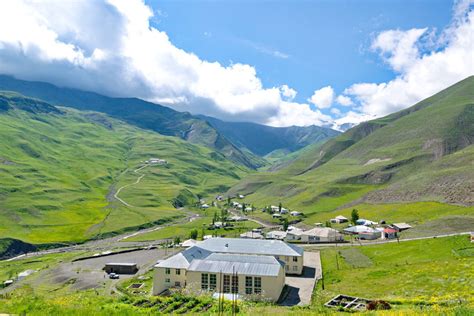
point(292, 266)
point(160, 279)
point(271, 286)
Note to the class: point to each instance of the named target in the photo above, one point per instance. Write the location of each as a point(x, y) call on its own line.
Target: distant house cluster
point(156, 161)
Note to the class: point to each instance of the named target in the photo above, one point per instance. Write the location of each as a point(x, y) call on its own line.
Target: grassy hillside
point(146, 115)
point(264, 140)
point(60, 168)
point(423, 153)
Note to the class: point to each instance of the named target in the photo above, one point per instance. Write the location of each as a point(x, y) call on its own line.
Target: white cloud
point(288, 92)
point(398, 47)
point(336, 111)
point(323, 97)
point(110, 47)
point(344, 100)
point(419, 75)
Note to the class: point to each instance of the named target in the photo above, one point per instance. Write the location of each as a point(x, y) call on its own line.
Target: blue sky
point(304, 44)
point(279, 63)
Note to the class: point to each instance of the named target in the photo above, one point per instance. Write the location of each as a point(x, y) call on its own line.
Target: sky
point(278, 63)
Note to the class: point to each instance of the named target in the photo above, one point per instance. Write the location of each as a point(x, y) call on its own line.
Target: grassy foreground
point(429, 277)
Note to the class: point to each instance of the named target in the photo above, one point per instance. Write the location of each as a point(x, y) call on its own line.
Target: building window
point(287, 267)
point(257, 282)
point(177, 284)
point(204, 281)
point(212, 281)
point(235, 284)
point(295, 259)
point(295, 268)
point(286, 258)
point(226, 284)
point(248, 285)
point(167, 280)
point(178, 271)
point(167, 271)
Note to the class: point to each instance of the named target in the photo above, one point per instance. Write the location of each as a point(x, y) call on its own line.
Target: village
point(273, 262)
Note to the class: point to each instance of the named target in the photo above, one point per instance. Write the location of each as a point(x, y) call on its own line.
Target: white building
point(321, 234)
point(294, 234)
point(230, 265)
point(252, 235)
point(339, 219)
point(276, 234)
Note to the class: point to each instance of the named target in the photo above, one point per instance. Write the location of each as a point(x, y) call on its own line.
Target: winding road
point(130, 184)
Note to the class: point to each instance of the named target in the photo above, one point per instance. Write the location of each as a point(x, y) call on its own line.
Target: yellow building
point(246, 267)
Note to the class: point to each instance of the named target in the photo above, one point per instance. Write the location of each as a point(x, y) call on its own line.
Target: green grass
point(432, 271)
point(58, 173)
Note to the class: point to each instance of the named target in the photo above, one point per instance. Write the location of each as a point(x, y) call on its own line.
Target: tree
point(328, 224)
point(279, 208)
point(193, 234)
point(243, 207)
point(228, 201)
point(354, 216)
point(177, 240)
point(214, 219)
point(285, 224)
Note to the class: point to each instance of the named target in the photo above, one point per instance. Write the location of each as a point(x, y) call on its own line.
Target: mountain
point(68, 175)
point(421, 154)
point(136, 112)
point(263, 140)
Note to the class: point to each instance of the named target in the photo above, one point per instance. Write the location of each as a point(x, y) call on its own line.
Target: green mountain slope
point(60, 169)
point(136, 112)
point(424, 153)
point(263, 140)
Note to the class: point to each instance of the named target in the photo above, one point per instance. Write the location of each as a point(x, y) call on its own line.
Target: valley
point(80, 182)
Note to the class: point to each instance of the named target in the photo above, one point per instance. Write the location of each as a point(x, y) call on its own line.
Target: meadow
point(60, 170)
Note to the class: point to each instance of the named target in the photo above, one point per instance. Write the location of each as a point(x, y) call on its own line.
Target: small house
point(401, 226)
point(283, 211)
point(321, 234)
point(354, 230)
point(188, 243)
point(7, 283)
point(370, 235)
point(339, 219)
point(365, 222)
point(294, 234)
point(295, 213)
point(276, 234)
point(241, 196)
point(204, 206)
point(251, 235)
point(389, 233)
point(248, 209)
point(121, 268)
point(276, 215)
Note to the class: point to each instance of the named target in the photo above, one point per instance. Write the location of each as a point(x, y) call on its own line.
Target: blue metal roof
point(251, 246)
